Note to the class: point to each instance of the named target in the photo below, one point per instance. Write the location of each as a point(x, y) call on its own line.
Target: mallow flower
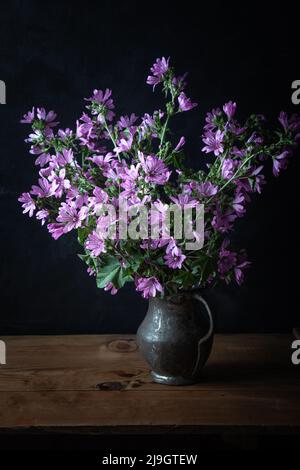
point(158, 69)
point(154, 168)
point(185, 103)
point(214, 142)
point(95, 244)
point(28, 203)
point(70, 216)
point(174, 260)
point(148, 286)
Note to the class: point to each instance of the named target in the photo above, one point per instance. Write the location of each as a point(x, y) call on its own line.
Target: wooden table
point(97, 383)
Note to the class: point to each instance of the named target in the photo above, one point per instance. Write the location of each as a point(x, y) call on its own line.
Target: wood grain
point(101, 381)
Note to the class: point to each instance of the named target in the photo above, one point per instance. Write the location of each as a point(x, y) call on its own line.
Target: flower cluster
point(105, 159)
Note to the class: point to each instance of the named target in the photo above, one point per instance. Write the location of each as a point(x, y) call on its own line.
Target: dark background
point(53, 54)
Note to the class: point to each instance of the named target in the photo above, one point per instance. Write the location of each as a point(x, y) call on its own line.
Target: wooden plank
point(91, 363)
point(214, 378)
point(65, 351)
point(102, 382)
point(94, 350)
point(148, 408)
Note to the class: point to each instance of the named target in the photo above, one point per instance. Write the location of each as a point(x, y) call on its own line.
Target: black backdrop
point(53, 54)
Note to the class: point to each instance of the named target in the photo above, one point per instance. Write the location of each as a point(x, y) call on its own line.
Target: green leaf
point(122, 278)
point(113, 272)
point(83, 257)
point(108, 272)
point(105, 276)
point(83, 233)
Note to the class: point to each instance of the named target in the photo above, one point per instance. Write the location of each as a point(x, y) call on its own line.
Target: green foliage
point(83, 233)
point(112, 272)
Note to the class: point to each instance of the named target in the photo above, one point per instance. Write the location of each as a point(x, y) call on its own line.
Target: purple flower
point(42, 215)
point(95, 244)
point(227, 259)
point(283, 119)
point(180, 144)
point(210, 119)
point(56, 230)
point(235, 128)
point(238, 152)
point(153, 81)
point(103, 161)
point(185, 103)
point(289, 124)
point(43, 159)
point(184, 201)
point(101, 97)
point(28, 204)
point(259, 180)
point(294, 122)
point(147, 126)
point(48, 170)
point(80, 200)
point(63, 184)
point(28, 118)
point(34, 137)
point(222, 221)
point(126, 122)
point(124, 145)
point(241, 265)
point(280, 162)
point(49, 118)
point(213, 142)
point(243, 187)
point(100, 196)
point(45, 189)
point(148, 286)
point(229, 109)
point(238, 204)
point(159, 68)
point(95, 202)
point(65, 157)
point(64, 134)
point(85, 128)
point(254, 139)
point(207, 189)
point(130, 175)
point(158, 215)
point(174, 259)
point(180, 81)
point(71, 217)
point(91, 271)
point(154, 168)
point(110, 287)
point(104, 99)
point(228, 168)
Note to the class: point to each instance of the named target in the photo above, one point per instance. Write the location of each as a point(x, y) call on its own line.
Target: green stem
point(111, 136)
point(232, 178)
point(164, 131)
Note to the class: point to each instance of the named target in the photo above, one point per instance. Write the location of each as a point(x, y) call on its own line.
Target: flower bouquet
point(122, 185)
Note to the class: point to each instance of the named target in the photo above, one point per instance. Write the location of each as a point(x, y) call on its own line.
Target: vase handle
point(208, 334)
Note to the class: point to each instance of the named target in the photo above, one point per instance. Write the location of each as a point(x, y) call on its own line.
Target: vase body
point(176, 338)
